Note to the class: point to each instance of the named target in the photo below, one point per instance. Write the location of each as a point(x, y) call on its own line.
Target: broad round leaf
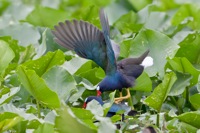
point(156, 99)
point(42, 16)
point(37, 88)
point(60, 81)
point(46, 62)
point(160, 46)
point(184, 66)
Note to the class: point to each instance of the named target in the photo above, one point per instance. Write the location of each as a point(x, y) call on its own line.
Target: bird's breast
point(111, 83)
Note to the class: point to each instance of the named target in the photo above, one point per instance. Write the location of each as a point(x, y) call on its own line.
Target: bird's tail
point(146, 60)
point(143, 56)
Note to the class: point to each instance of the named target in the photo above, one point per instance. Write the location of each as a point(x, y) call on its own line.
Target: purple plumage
point(91, 43)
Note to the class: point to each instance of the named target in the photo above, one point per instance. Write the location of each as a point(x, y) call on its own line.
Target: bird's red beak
point(98, 93)
point(84, 105)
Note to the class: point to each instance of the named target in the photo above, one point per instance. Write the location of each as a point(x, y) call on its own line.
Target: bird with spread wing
point(91, 43)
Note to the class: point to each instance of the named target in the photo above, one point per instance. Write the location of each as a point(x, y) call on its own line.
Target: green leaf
point(37, 88)
point(66, 116)
point(24, 33)
point(75, 64)
point(95, 108)
point(185, 11)
point(156, 99)
point(194, 100)
point(21, 112)
point(190, 47)
point(183, 80)
point(8, 120)
point(85, 116)
point(6, 56)
point(160, 47)
point(128, 23)
point(14, 46)
point(27, 54)
point(46, 62)
point(174, 124)
point(191, 118)
point(60, 81)
point(6, 97)
point(41, 49)
point(184, 66)
point(42, 16)
point(138, 5)
point(45, 128)
point(90, 75)
point(143, 83)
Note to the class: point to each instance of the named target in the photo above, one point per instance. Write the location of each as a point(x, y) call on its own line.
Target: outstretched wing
point(88, 41)
point(84, 38)
point(111, 66)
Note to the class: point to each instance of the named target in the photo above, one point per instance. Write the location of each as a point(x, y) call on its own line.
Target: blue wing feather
point(88, 41)
point(111, 66)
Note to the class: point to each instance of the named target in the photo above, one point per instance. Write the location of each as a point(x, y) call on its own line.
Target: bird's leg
point(121, 98)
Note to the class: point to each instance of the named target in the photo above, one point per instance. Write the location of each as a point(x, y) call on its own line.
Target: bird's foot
point(119, 99)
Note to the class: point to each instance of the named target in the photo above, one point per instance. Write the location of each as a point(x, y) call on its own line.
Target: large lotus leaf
point(46, 62)
point(190, 48)
point(156, 99)
point(42, 16)
point(183, 80)
point(160, 47)
point(60, 81)
point(184, 66)
point(71, 122)
point(37, 88)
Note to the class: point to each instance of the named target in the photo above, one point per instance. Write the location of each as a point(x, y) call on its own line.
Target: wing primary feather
point(60, 38)
point(62, 44)
point(104, 23)
point(111, 65)
point(63, 29)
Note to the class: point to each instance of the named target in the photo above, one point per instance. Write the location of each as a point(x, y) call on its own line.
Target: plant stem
point(130, 103)
point(175, 102)
point(38, 109)
point(187, 96)
point(158, 119)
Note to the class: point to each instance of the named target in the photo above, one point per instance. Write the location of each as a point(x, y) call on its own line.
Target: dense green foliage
point(43, 86)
